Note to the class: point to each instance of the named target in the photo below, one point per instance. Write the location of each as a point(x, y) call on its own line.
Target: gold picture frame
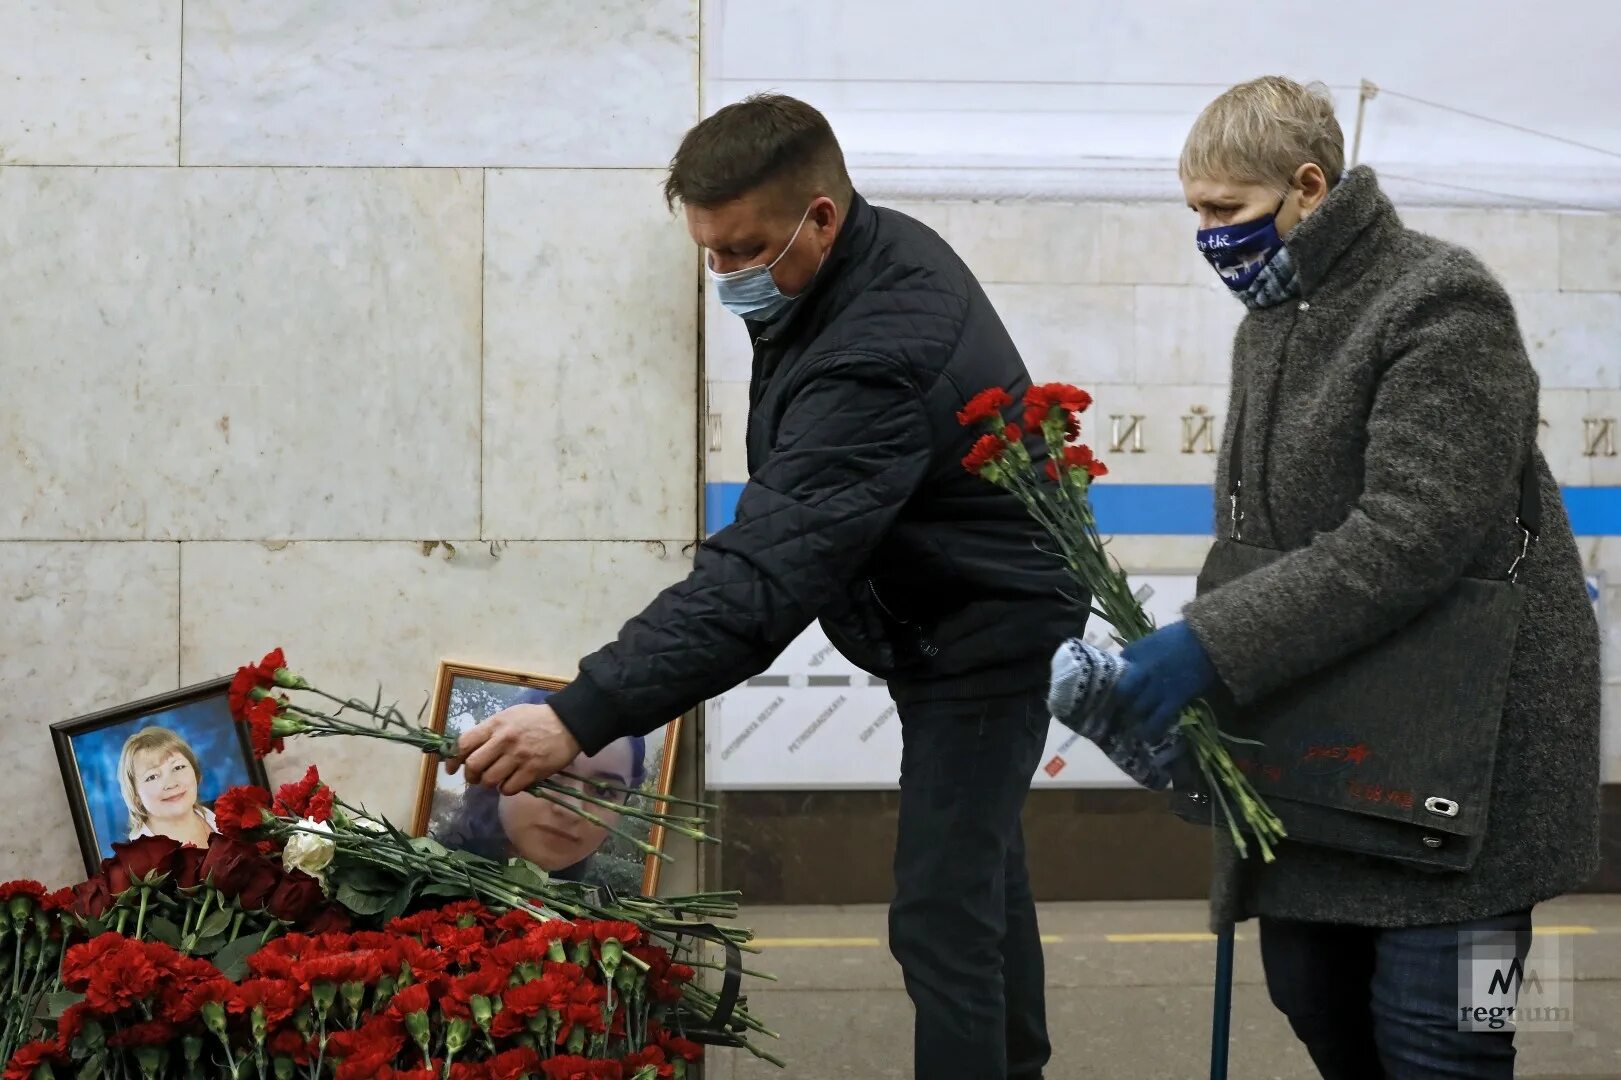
point(483, 821)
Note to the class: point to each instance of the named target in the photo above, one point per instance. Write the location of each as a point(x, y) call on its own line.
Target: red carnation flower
point(1040, 401)
point(82, 960)
point(288, 1043)
point(513, 1064)
point(983, 406)
point(70, 1023)
point(321, 803)
point(1078, 458)
point(148, 1033)
point(411, 1000)
point(260, 716)
point(293, 800)
point(60, 900)
point(528, 999)
point(676, 1046)
point(124, 978)
point(988, 449)
point(33, 890)
point(260, 676)
point(507, 1025)
point(469, 1070)
point(241, 809)
point(650, 1055)
point(30, 1056)
point(578, 1068)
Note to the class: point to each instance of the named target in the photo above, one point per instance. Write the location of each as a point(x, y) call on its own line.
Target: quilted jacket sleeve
point(852, 447)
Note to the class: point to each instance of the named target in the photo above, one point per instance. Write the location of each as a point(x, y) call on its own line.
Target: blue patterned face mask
point(752, 293)
point(1240, 252)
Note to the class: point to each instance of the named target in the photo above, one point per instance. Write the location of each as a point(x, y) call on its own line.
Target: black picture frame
point(64, 732)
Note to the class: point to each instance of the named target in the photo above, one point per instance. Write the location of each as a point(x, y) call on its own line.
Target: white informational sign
point(815, 721)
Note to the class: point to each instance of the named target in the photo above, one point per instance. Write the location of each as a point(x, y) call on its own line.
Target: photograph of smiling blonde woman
point(153, 768)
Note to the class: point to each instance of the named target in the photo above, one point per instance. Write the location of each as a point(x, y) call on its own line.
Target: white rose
point(309, 851)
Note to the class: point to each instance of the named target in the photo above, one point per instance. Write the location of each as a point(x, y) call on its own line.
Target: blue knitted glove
point(1164, 672)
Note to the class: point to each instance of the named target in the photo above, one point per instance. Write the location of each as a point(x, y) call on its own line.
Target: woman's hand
point(1165, 671)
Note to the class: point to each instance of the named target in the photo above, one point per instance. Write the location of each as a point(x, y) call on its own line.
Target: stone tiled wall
point(293, 288)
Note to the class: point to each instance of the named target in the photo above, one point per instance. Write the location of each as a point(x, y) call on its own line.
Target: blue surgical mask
point(752, 293)
point(1240, 252)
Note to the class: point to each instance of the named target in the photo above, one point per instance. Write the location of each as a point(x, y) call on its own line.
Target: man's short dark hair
point(767, 139)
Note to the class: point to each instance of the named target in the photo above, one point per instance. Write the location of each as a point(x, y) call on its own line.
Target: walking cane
point(1221, 1015)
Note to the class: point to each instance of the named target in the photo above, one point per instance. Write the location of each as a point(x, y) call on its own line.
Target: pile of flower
point(310, 940)
point(459, 993)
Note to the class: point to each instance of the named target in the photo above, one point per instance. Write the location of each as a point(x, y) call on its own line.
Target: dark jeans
point(1375, 1004)
point(963, 922)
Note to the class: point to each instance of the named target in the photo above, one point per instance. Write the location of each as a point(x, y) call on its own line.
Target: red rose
point(149, 1033)
point(260, 676)
point(92, 898)
point(988, 449)
point(260, 716)
point(188, 867)
point(116, 875)
point(230, 863)
point(330, 920)
point(240, 810)
point(984, 405)
point(146, 857)
point(30, 1056)
point(295, 897)
point(292, 800)
point(263, 877)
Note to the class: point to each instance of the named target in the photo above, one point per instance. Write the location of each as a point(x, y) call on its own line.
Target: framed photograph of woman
point(153, 768)
point(482, 820)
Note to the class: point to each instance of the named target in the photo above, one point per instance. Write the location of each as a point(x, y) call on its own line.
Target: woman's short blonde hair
point(149, 740)
point(1262, 131)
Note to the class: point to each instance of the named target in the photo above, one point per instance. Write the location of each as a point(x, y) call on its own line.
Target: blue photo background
point(206, 725)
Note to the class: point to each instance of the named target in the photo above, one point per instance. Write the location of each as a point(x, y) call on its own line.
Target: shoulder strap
point(1528, 517)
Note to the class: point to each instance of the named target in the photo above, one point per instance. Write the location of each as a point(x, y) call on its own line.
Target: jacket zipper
point(928, 647)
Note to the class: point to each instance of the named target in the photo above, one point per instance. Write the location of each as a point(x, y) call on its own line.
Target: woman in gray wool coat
point(1386, 407)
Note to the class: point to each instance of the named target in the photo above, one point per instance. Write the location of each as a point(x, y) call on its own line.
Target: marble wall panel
point(1083, 334)
point(1185, 335)
point(1522, 247)
point(1574, 339)
point(613, 83)
point(239, 353)
point(1590, 252)
point(591, 358)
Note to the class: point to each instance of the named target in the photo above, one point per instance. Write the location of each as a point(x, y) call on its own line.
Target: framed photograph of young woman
point(565, 845)
point(153, 767)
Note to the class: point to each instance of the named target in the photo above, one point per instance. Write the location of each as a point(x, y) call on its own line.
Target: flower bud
point(214, 1017)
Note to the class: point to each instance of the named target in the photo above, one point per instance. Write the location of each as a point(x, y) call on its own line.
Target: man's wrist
point(586, 710)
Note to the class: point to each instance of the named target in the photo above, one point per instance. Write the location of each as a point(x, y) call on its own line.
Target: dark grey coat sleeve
point(1446, 436)
point(852, 448)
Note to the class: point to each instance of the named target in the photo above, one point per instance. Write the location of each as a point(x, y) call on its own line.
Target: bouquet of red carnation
point(1058, 497)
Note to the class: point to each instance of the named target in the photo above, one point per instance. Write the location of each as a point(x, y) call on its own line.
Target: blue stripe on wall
point(1187, 509)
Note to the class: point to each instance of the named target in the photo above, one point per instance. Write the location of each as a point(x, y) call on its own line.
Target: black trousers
point(963, 921)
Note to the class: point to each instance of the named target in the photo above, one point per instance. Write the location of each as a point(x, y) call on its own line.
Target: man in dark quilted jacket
point(869, 336)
